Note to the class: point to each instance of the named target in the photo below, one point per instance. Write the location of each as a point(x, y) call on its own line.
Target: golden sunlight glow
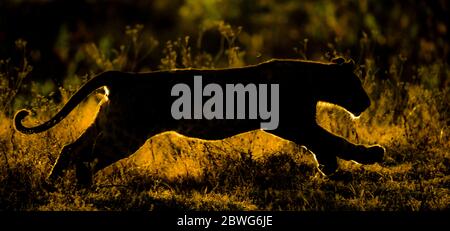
point(326, 105)
point(397, 51)
point(105, 88)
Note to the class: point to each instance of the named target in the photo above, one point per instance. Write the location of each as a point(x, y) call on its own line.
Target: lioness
point(139, 107)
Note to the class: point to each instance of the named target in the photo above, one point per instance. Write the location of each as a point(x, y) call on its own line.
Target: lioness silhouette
point(139, 107)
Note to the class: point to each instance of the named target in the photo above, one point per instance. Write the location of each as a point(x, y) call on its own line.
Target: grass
point(251, 171)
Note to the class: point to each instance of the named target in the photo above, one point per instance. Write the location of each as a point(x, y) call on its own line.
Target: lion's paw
point(371, 154)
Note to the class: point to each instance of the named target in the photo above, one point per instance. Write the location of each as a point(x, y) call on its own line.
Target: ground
point(251, 171)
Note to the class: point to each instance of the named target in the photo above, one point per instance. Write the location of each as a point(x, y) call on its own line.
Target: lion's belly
point(214, 129)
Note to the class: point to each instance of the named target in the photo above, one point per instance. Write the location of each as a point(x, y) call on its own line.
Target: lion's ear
point(350, 63)
point(338, 60)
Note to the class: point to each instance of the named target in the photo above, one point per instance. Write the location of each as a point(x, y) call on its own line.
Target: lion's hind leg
point(62, 162)
point(324, 146)
point(74, 153)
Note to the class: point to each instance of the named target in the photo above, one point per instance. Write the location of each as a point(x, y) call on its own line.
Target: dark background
point(416, 31)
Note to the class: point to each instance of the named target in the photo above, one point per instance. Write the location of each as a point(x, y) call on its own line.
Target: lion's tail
point(103, 79)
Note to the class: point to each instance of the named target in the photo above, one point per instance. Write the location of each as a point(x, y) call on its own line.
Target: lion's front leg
point(364, 154)
point(322, 144)
point(327, 147)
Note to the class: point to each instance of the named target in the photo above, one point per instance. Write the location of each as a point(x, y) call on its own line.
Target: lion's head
point(339, 85)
